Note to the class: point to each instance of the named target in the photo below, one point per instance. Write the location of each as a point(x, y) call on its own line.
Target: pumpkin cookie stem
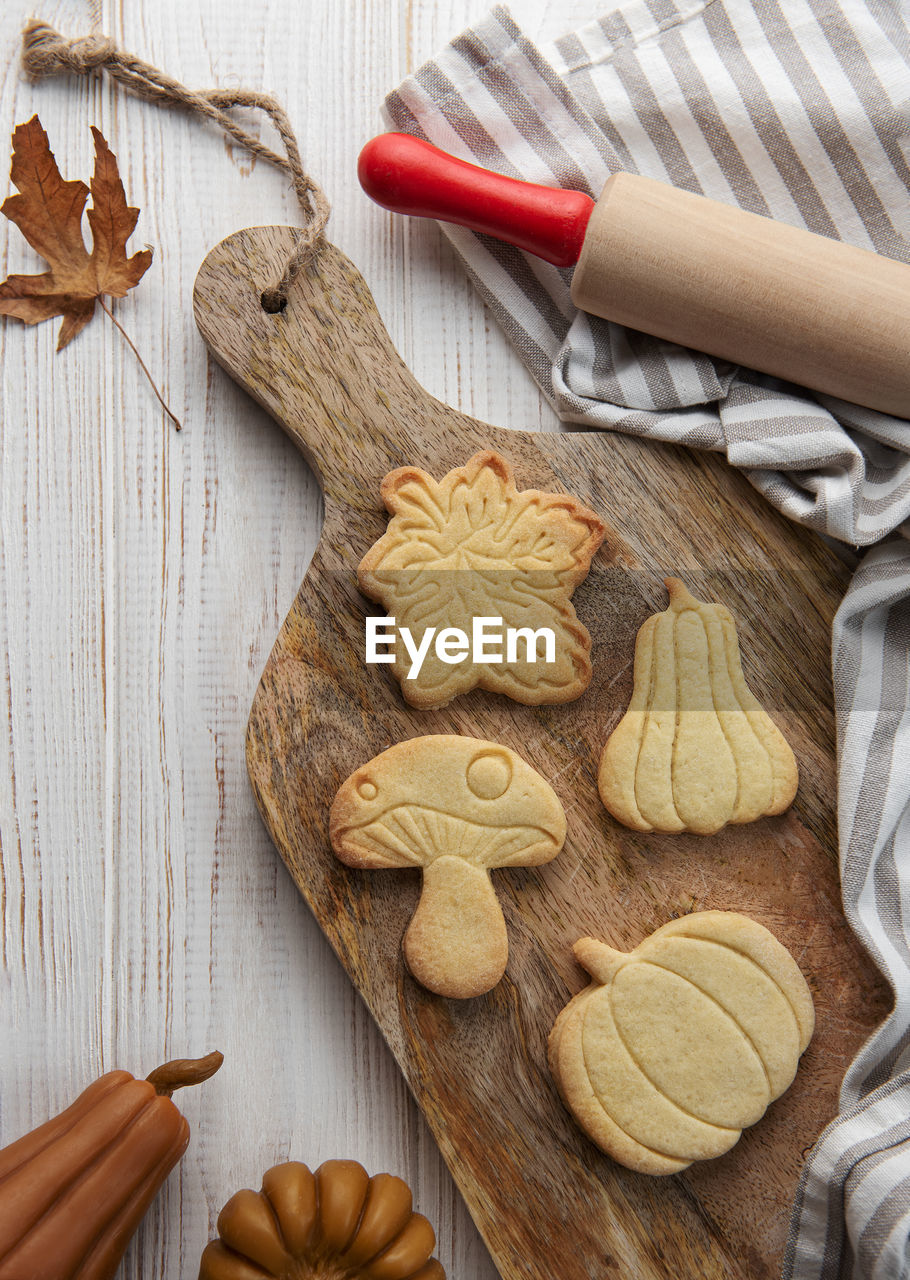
point(601, 961)
point(680, 595)
point(184, 1071)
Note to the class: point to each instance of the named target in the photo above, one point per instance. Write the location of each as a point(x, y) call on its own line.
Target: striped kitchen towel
point(799, 110)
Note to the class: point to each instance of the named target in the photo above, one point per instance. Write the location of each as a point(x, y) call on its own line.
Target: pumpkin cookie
point(472, 546)
point(677, 1046)
point(455, 807)
point(695, 750)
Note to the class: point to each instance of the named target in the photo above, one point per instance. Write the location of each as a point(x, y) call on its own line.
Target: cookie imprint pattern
point(473, 546)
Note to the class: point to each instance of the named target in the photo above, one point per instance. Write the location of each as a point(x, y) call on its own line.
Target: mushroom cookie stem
point(454, 807)
point(457, 938)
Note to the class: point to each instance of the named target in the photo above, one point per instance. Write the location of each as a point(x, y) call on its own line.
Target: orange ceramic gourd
point(73, 1191)
point(335, 1224)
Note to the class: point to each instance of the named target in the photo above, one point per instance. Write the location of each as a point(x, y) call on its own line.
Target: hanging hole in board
point(273, 302)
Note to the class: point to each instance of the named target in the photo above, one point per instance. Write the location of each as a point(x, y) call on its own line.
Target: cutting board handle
point(348, 426)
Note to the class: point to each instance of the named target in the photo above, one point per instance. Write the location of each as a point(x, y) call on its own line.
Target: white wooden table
point(143, 577)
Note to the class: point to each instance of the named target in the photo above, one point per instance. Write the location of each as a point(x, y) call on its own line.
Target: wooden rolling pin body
point(750, 290)
point(736, 285)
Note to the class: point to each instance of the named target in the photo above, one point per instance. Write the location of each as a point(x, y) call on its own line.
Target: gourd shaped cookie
point(695, 750)
point(335, 1224)
point(472, 546)
point(454, 807)
point(677, 1046)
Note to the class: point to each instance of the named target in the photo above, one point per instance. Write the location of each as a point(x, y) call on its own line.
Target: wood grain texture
point(543, 1197)
point(143, 578)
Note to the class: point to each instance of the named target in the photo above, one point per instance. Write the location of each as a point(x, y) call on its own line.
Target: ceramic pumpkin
point(73, 1191)
point(335, 1224)
point(695, 749)
point(677, 1046)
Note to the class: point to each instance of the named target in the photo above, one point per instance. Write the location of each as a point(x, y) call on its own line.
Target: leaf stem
point(142, 365)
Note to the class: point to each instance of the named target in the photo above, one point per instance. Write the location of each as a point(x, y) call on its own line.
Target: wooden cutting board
point(547, 1202)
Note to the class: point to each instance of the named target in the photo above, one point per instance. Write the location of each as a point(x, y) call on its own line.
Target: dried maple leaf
point(48, 212)
point(473, 546)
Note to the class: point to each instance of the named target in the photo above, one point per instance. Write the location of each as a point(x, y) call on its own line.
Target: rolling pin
point(736, 285)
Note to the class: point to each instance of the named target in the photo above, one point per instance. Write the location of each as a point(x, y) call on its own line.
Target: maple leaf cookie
point(472, 546)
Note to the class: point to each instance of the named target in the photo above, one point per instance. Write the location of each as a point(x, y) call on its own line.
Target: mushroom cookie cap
point(455, 807)
point(446, 795)
point(679, 1045)
point(695, 749)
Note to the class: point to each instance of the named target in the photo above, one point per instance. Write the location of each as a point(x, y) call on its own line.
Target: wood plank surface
point(546, 1201)
point(143, 578)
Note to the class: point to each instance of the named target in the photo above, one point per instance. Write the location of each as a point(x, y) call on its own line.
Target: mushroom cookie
point(677, 1046)
point(473, 547)
point(456, 807)
point(695, 750)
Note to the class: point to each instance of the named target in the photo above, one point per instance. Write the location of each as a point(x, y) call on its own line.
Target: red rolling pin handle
point(408, 175)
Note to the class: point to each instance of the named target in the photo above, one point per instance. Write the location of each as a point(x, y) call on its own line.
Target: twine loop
point(45, 52)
